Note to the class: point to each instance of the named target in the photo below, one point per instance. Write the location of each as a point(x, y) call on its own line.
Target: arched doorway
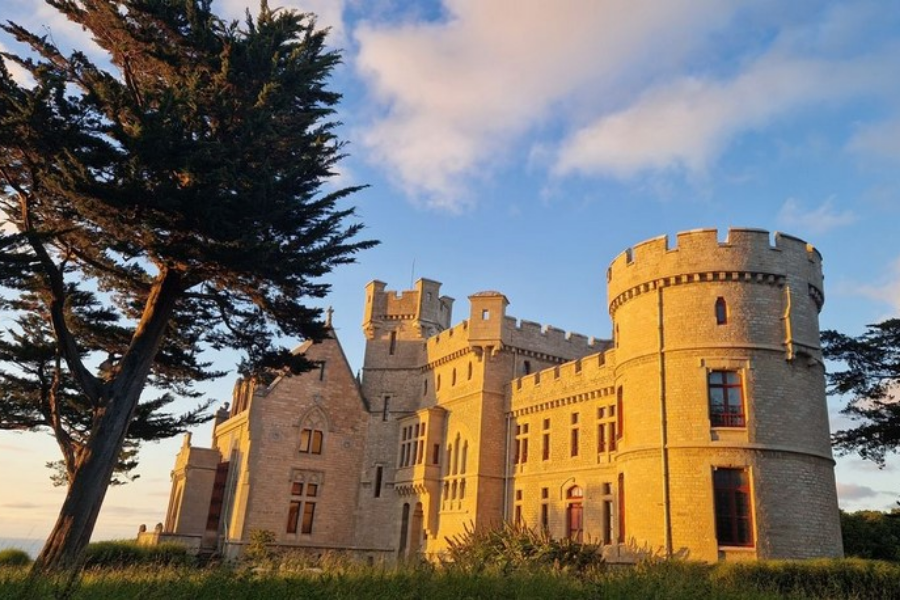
point(575, 514)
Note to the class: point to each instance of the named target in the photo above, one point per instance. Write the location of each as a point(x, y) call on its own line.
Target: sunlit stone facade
point(700, 430)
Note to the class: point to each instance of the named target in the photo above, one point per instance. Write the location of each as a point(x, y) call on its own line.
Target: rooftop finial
point(328, 312)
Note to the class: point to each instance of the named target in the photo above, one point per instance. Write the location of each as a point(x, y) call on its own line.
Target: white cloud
point(458, 94)
point(629, 87)
point(795, 218)
point(329, 13)
point(685, 124)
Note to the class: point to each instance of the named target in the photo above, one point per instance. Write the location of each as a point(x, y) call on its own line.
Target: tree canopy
point(172, 203)
point(871, 378)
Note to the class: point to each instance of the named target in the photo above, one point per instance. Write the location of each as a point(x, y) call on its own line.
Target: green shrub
point(259, 550)
point(515, 547)
point(126, 553)
point(13, 557)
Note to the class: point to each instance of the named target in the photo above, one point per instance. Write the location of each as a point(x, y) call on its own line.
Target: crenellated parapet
point(528, 335)
point(579, 380)
point(423, 305)
point(697, 256)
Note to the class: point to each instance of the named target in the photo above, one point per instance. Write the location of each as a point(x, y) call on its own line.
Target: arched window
point(465, 455)
point(312, 433)
point(721, 311)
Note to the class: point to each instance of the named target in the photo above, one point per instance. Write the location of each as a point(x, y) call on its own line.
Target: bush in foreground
point(13, 557)
point(515, 547)
point(118, 554)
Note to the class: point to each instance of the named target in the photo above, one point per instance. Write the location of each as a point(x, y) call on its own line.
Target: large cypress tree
point(170, 203)
point(871, 377)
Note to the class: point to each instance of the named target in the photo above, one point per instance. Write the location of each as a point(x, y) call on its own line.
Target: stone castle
point(700, 430)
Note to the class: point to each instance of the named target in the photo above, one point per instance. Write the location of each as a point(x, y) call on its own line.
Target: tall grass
point(532, 568)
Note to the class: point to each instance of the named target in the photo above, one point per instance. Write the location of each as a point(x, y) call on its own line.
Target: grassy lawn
point(810, 579)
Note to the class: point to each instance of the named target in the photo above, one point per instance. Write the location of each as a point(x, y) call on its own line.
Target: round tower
point(725, 443)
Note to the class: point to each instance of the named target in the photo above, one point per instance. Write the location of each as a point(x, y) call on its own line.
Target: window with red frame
point(726, 399)
point(734, 519)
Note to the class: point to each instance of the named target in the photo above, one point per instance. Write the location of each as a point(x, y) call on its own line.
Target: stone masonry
point(700, 430)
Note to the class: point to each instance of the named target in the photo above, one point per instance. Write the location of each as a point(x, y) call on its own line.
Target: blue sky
point(521, 145)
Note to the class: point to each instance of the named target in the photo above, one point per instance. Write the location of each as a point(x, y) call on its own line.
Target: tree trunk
point(64, 549)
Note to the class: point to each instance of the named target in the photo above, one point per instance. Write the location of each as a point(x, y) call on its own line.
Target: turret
point(721, 388)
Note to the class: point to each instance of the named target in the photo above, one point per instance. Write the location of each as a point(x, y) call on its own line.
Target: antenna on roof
point(412, 274)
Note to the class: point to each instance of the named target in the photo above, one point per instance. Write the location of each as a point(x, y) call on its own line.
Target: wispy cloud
point(610, 89)
point(685, 125)
point(852, 491)
point(887, 290)
point(879, 140)
point(457, 95)
point(23, 506)
point(796, 218)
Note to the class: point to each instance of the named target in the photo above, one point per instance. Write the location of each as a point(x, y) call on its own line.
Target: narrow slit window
point(721, 311)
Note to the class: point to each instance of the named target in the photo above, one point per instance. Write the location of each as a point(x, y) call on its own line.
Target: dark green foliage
point(516, 547)
point(120, 554)
point(871, 534)
point(171, 204)
point(13, 557)
point(871, 378)
point(812, 578)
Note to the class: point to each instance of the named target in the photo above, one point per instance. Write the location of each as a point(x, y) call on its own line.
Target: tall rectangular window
point(521, 444)
point(734, 519)
point(293, 516)
point(379, 475)
point(620, 400)
point(302, 508)
point(309, 512)
point(726, 401)
point(393, 343)
point(620, 537)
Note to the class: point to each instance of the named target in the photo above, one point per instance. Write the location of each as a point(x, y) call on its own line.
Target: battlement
point(698, 253)
point(549, 339)
point(424, 303)
point(558, 381)
point(448, 341)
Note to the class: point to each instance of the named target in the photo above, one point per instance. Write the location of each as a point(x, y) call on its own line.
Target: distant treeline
point(872, 534)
